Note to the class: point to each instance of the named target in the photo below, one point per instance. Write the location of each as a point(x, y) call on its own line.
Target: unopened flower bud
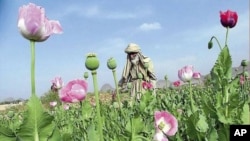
point(166, 77)
point(86, 75)
point(246, 74)
point(244, 63)
point(11, 114)
point(92, 62)
point(210, 44)
point(111, 63)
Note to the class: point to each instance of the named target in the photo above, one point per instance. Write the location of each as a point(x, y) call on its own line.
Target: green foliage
point(7, 134)
point(79, 122)
point(221, 72)
point(49, 97)
point(37, 124)
point(222, 102)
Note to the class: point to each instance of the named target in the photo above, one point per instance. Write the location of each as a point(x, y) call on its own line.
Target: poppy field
point(207, 119)
point(187, 112)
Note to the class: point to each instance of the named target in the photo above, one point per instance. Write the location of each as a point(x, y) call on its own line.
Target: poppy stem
point(33, 85)
point(191, 97)
point(226, 100)
point(216, 41)
point(94, 73)
point(117, 91)
point(226, 36)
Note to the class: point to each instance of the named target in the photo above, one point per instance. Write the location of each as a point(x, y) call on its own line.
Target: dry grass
point(6, 106)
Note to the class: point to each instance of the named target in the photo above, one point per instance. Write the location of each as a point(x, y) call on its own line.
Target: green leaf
point(208, 107)
point(135, 125)
point(138, 124)
point(223, 118)
point(56, 136)
point(223, 132)
point(7, 134)
point(66, 137)
point(202, 125)
point(245, 114)
point(213, 136)
point(92, 133)
point(87, 109)
point(194, 126)
point(37, 124)
point(222, 70)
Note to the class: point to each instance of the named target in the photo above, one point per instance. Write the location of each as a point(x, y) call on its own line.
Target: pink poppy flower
point(74, 91)
point(53, 103)
point(228, 18)
point(57, 83)
point(34, 25)
point(159, 136)
point(242, 80)
point(177, 83)
point(196, 75)
point(186, 73)
point(147, 85)
point(165, 123)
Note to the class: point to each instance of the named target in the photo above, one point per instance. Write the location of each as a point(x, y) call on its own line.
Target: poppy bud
point(111, 63)
point(246, 74)
point(186, 73)
point(166, 77)
point(244, 63)
point(86, 75)
point(92, 62)
point(11, 114)
point(210, 44)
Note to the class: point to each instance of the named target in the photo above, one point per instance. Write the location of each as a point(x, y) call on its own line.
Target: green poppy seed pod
point(166, 77)
point(86, 75)
point(139, 75)
point(11, 114)
point(161, 125)
point(246, 74)
point(244, 63)
point(210, 44)
point(92, 62)
point(111, 63)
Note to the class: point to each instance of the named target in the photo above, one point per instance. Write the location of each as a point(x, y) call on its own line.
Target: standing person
point(137, 66)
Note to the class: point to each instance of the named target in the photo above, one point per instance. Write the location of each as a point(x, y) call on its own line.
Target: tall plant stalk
point(191, 97)
point(94, 75)
point(33, 85)
point(225, 92)
point(116, 86)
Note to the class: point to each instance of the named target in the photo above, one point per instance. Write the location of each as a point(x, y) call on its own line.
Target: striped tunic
point(130, 75)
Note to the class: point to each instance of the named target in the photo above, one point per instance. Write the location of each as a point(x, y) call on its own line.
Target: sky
point(173, 33)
